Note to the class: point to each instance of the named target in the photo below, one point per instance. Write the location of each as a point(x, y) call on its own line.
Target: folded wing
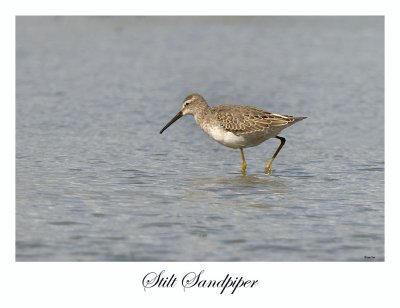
point(241, 120)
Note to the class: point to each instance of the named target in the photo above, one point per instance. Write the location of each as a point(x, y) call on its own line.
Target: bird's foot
point(268, 167)
point(244, 166)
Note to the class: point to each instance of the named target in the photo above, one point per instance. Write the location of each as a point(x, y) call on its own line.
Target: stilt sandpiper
point(236, 126)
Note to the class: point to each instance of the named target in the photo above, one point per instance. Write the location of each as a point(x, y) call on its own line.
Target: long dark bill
point(178, 115)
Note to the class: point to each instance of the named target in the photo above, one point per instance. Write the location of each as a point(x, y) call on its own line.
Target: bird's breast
point(224, 137)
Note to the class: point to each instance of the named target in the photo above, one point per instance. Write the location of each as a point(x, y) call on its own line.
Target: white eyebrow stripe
point(190, 100)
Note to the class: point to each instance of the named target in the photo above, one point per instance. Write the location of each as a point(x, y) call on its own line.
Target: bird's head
point(192, 104)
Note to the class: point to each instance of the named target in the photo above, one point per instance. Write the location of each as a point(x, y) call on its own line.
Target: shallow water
point(97, 182)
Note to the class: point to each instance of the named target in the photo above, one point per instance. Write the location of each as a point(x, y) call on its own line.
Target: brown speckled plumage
point(242, 120)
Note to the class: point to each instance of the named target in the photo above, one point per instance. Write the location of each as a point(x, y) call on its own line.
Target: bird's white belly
point(233, 141)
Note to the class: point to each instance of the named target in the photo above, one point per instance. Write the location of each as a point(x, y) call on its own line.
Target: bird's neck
point(200, 114)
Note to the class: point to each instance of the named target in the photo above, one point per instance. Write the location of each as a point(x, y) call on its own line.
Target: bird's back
point(242, 120)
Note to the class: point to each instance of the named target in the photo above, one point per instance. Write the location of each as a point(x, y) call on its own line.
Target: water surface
point(95, 181)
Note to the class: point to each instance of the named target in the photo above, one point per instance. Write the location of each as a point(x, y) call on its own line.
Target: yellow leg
point(244, 164)
point(269, 164)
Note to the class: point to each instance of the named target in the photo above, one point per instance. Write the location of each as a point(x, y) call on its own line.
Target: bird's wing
point(241, 120)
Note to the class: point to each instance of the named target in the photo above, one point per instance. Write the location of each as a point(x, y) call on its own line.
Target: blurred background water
point(95, 181)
